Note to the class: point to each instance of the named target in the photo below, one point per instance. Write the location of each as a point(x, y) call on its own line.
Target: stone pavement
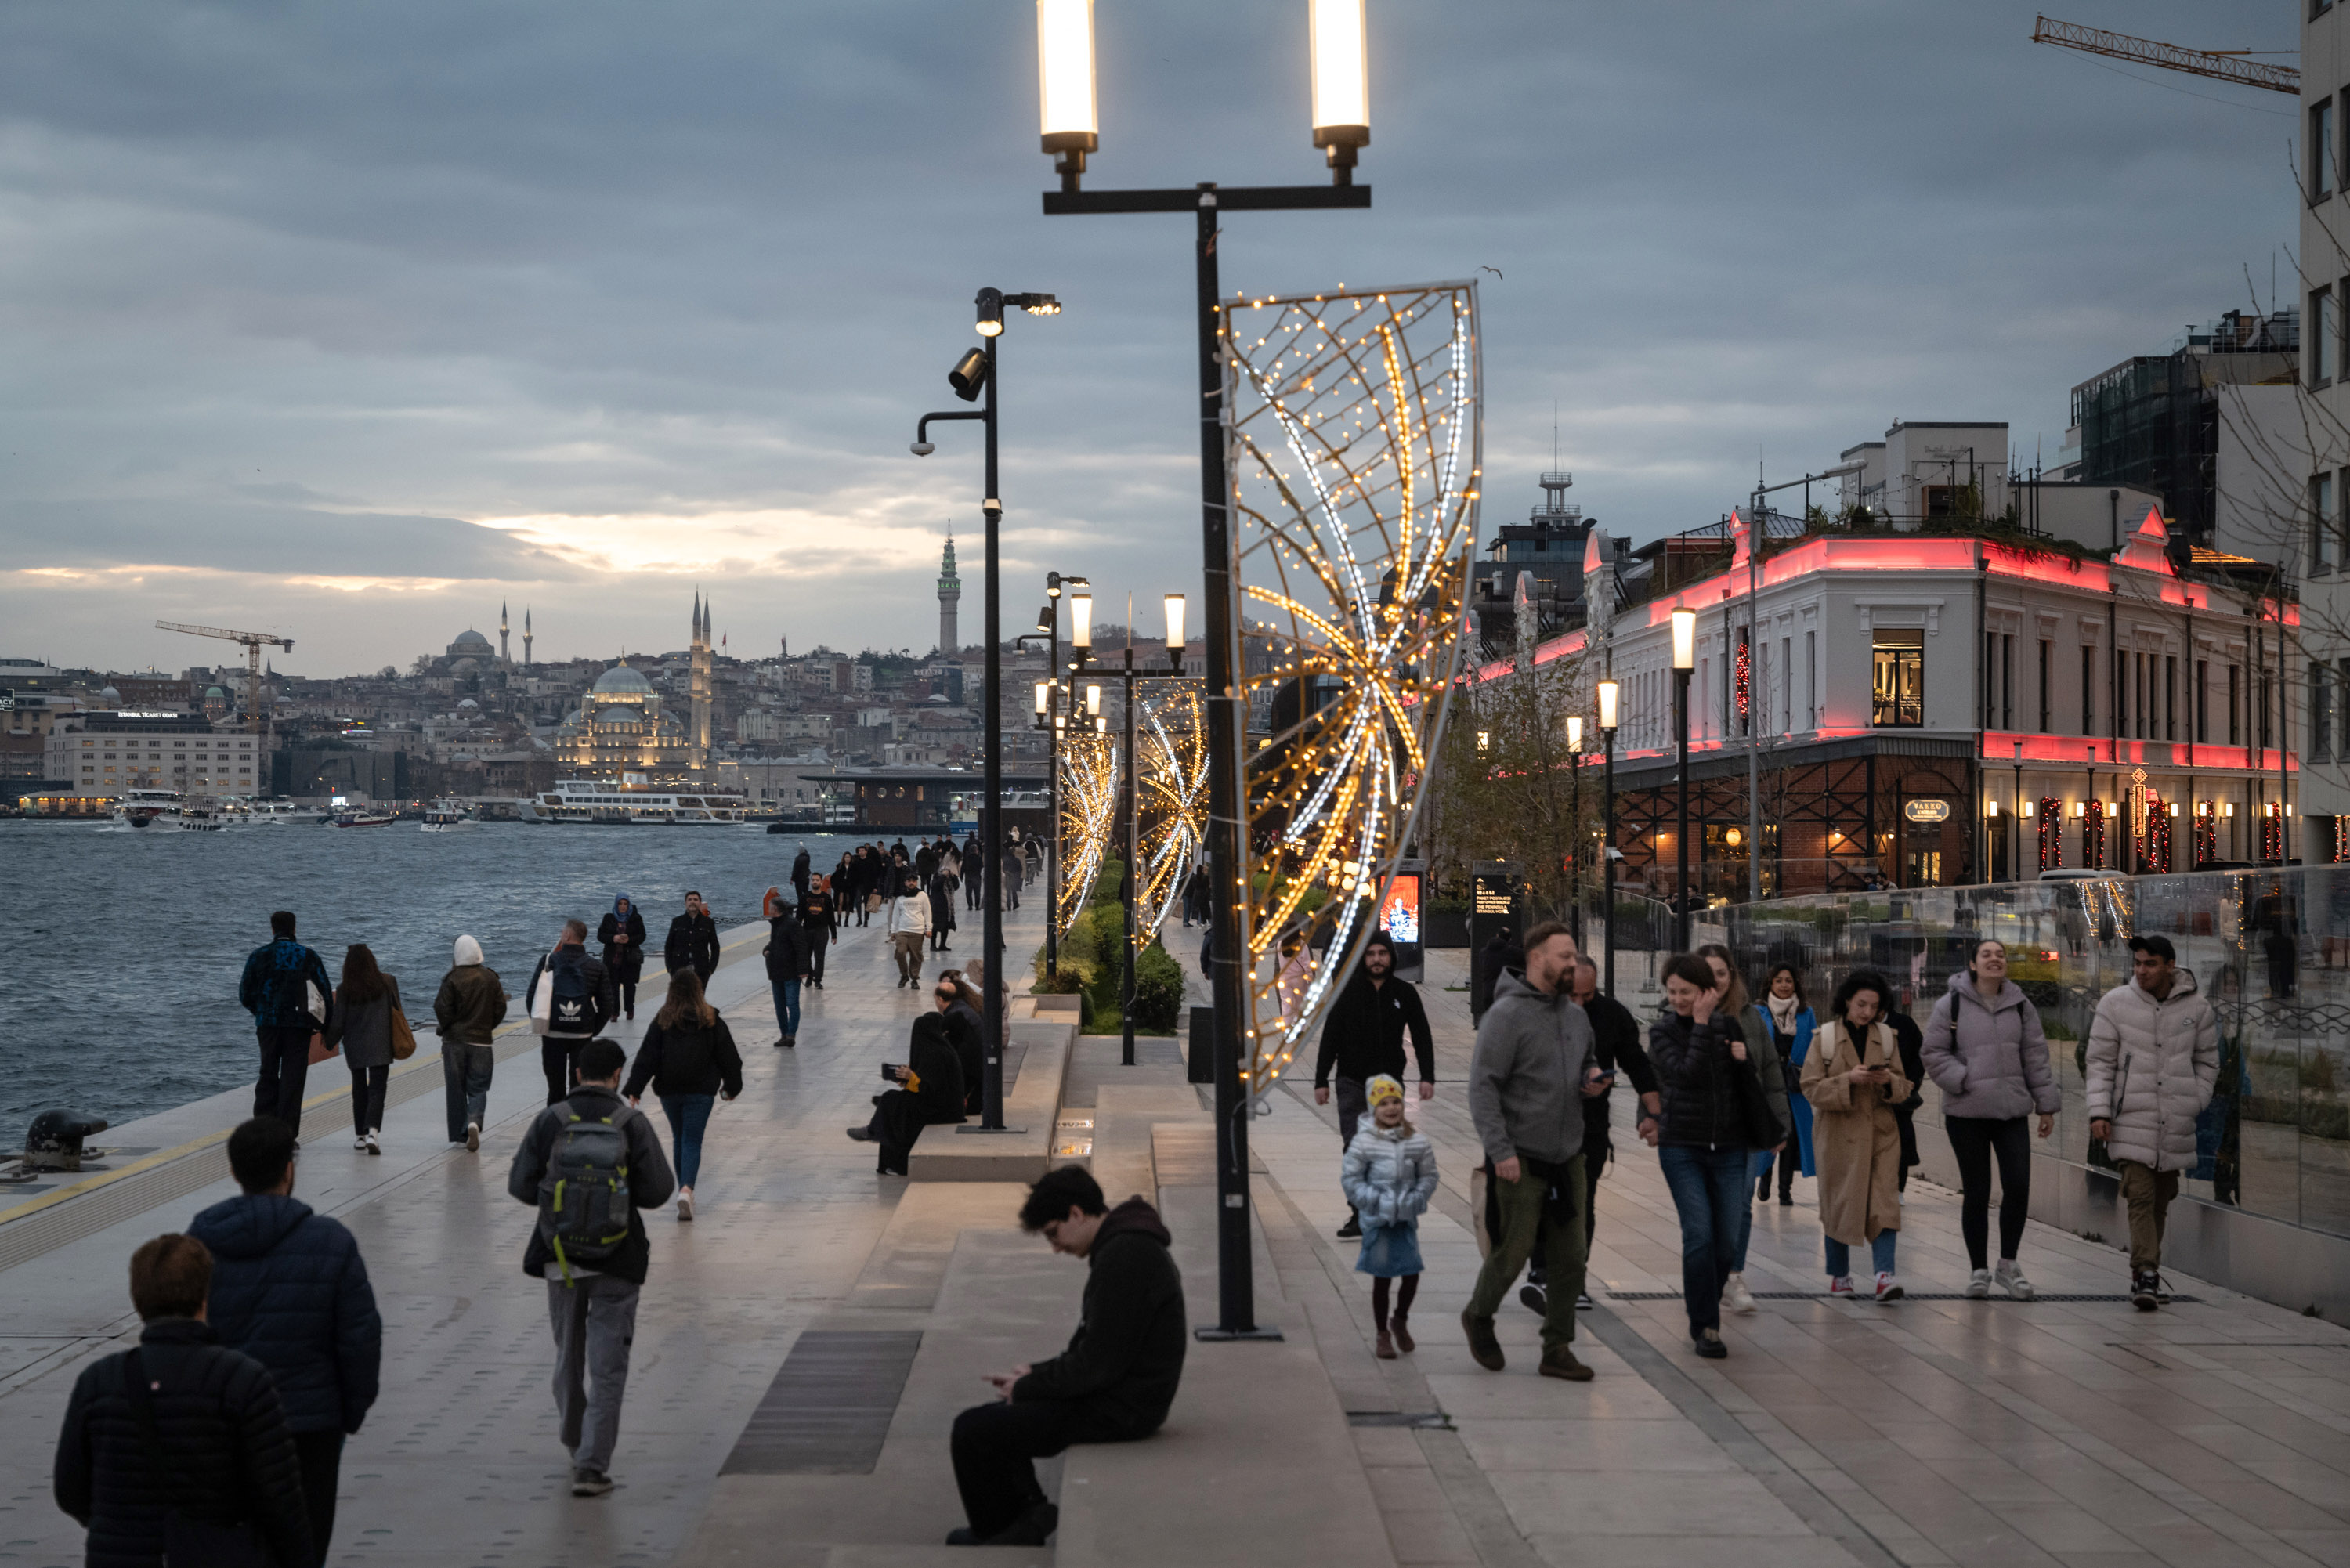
point(1937, 1431)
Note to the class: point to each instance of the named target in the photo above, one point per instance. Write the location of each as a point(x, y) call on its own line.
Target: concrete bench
point(1032, 1103)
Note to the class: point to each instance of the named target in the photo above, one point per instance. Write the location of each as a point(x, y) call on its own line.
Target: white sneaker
point(1979, 1285)
point(1889, 1289)
point(685, 1205)
point(358, 1142)
point(473, 1137)
point(374, 1145)
point(1736, 1296)
point(2012, 1280)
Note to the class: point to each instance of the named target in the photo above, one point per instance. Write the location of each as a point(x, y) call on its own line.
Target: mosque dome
point(621, 679)
point(469, 702)
point(618, 715)
point(110, 697)
point(471, 639)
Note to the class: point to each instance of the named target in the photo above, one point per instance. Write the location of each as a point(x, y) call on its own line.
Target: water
point(120, 995)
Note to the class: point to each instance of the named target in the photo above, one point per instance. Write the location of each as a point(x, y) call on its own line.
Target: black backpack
point(573, 1006)
point(585, 1210)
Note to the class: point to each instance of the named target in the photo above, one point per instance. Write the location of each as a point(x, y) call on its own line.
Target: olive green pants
point(1564, 1251)
point(2147, 1192)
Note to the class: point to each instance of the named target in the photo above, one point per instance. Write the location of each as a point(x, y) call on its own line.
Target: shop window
point(1898, 659)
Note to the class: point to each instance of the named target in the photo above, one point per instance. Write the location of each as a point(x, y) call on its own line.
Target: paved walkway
point(1938, 1431)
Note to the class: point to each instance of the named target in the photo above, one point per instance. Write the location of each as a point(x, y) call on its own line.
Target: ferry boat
point(602, 803)
point(368, 816)
point(167, 810)
point(448, 816)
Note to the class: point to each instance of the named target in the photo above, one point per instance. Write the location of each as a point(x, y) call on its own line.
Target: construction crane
point(257, 715)
point(2222, 64)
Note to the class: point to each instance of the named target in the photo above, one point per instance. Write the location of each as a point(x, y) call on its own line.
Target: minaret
point(698, 735)
point(525, 636)
point(949, 595)
point(505, 657)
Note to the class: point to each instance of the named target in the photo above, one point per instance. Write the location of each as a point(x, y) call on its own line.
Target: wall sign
point(1926, 810)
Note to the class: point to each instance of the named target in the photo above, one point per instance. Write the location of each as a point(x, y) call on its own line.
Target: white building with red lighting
point(1928, 708)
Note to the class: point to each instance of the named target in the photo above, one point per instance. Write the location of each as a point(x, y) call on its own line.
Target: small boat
point(448, 816)
point(368, 816)
point(167, 811)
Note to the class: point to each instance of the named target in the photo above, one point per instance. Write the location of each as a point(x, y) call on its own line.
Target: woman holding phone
point(1701, 1139)
point(1853, 1078)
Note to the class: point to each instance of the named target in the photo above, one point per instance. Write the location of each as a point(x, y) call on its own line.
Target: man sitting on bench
point(1112, 1385)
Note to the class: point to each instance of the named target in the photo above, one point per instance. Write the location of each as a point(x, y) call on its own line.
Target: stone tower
point(698, 736)
point(504, 657)
point(950, 595)
point(525, 636)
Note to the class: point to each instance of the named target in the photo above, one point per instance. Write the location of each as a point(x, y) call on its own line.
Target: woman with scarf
point(1792, 1024)
point(623, 936)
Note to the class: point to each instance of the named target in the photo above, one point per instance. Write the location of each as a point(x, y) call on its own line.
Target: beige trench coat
point(1854, 1134)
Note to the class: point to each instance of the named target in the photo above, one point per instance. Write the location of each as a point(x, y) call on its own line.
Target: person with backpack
point(692, 941)
point(284, 987)
point(467, 1012)
point(622, 934)
point(177, 1451)
point(1985, 1050)
point(361, 1028)
point(290, 1290)
point(689, 1059)
point(591, 1165)
point(569, 1001)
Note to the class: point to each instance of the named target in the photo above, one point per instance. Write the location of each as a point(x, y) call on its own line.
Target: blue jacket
point(290, 1290)
point(272, 988)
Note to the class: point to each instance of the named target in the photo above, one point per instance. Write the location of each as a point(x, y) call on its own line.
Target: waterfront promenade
point(1939, 1431)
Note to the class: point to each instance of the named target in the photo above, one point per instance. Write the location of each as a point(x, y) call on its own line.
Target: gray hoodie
point(1990, 1058)
point(1525, 1079)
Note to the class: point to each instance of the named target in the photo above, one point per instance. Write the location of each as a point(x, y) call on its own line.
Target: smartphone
point(889, 1071)
point(1601, 1078)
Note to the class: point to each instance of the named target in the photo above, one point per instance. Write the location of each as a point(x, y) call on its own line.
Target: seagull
point(1494, 270)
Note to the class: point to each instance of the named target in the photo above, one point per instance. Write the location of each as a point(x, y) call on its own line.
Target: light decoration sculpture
point(1356, 457)
point(1171, 788)
point(1088, 816)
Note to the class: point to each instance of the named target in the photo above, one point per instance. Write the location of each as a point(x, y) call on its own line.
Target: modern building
point(108, 753)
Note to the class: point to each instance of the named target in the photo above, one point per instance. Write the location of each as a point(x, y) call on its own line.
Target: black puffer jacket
point(222, 1433)
point(1693, 1067)
point(1122, 1366)
point(688, 1059)
point(290, 1290)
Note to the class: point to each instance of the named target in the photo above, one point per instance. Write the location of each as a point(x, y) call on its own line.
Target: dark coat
point(800, 873)
point(1693, 1066)
point(901, 1115)
point(361, 1030)
point(471, 1005)
point(1123, 1364)
point(789, 943)
point(272, 987)
point(290, 1290)
point(943, 909)
point(820, 918)
point(1910, 1042)
point(626, 960)
point(690, 1059)
point(1616, 1046)
point(650, 1181)
point(970, 1049)
point(220, 1427)
point(692, 944)
point(1363, 1034)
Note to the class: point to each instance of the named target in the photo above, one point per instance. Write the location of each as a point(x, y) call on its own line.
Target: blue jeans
point(1709, 1189)
point(1758, 1167)
point(1881, 1253)
point(787, 1004)
point(688, 1115)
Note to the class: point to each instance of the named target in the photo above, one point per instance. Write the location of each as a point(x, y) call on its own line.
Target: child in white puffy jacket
point(1390, 1175)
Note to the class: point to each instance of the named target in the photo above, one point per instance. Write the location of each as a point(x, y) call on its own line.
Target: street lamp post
point(1341, 116)
point(1610, 694)
point(1684, 661)
point(1575, 815)
point(973, 379)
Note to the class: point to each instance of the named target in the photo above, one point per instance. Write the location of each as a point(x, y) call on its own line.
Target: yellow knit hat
point(1382, 1088)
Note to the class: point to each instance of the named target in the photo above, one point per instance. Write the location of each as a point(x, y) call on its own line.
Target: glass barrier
point(2270, 949)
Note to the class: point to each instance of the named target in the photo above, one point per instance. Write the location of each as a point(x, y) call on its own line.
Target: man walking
point(907, 928)
point(2153, 1057)
point(693, 941)
point(589, 1164)
point(1112, 1385)
point(1363, 1037)
point(1615, 1047)
point(471, 1005)
point(1528, 1078)
point(577, 1003)
point(973, 863)
point(1014, 872)
point(290, 1290)
point(789, 946)
point(285, 989)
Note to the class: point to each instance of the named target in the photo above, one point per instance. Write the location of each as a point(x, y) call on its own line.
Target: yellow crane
point(2225, 65)
point(257, 714)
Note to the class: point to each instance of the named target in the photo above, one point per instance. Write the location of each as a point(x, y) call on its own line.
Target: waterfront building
point(104, 754)
point(620, 727)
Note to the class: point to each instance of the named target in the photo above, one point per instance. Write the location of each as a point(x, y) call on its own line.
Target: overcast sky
point(349, 320)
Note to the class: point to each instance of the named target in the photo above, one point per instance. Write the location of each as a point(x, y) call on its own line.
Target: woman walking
point(689, 1059)
point(622, 933)
point(1388, 1173)
point(360, 1024)
point(821, 913)
point(1984, 1047)
point(1701, 1136)
point(942, 909)
point(1754, 1029)
point(930, 1094)
point(1852, 1077)
point(1792, 1024)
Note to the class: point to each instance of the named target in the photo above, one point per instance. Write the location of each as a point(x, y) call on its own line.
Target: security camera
point(923, 448)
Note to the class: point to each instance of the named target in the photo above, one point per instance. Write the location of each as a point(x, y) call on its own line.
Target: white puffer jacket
point(1389, 1173)
point(2151, 1065)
